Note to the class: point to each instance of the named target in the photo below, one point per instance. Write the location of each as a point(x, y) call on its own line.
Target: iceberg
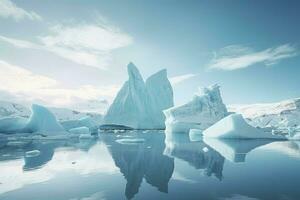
point(201, 112)
point(235, 127)
point(138, 104)
point(82, 122)
point(42, 120)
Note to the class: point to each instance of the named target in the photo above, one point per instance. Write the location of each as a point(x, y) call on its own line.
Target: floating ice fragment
point(32, 153)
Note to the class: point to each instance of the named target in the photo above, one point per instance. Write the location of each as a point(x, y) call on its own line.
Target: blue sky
point(62, 53)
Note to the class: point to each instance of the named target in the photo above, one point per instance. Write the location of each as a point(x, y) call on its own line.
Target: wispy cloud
point(237, 57)
point(178, 79)
point(30, 87)
point(85, 44)
point(10, 10)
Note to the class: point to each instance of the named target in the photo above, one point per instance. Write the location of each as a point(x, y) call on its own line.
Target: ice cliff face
point(281, 115)
point(138, 104)
point(161, 94)
point(201, 112)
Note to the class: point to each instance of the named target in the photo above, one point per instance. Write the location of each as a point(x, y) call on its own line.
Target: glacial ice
point(42, 120)
point(138, 104)
point(235, 127)
point(201, 112)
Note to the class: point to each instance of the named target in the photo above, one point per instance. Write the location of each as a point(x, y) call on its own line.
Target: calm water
point(114, 166)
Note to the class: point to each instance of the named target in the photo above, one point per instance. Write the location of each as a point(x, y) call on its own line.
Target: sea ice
point(80, 130)
point(201, 112)
point(235, 127)
point(130, 141)
point(32, 153)
point(138, 104)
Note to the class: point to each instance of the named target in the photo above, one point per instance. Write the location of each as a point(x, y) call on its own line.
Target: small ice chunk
point(131, 141)
point(32, 153)
point(80, 130)
point(205, 149)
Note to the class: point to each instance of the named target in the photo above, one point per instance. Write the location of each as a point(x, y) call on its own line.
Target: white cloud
point(178, 79)
point(85, 44)
point(17, 79)
point(9, 9)
point(236, 57)
point(23, 84)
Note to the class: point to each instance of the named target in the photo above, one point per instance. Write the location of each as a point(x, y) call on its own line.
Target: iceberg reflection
point(138, 161)
point(235, 150)
point(197, 154)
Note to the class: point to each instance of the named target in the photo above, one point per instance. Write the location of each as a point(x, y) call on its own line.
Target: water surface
point(146, 165)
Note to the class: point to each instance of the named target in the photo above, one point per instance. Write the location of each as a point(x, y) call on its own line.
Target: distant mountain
point(279, 115)
point(9, 109)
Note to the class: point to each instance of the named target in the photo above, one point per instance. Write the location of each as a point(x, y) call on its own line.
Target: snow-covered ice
point(138, 104)
point(235, 127)
point(201, 112)
point(281, 115)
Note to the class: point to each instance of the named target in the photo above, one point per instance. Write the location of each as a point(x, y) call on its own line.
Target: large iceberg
point(138, 104)
point(201, 112)
point(235, 127)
